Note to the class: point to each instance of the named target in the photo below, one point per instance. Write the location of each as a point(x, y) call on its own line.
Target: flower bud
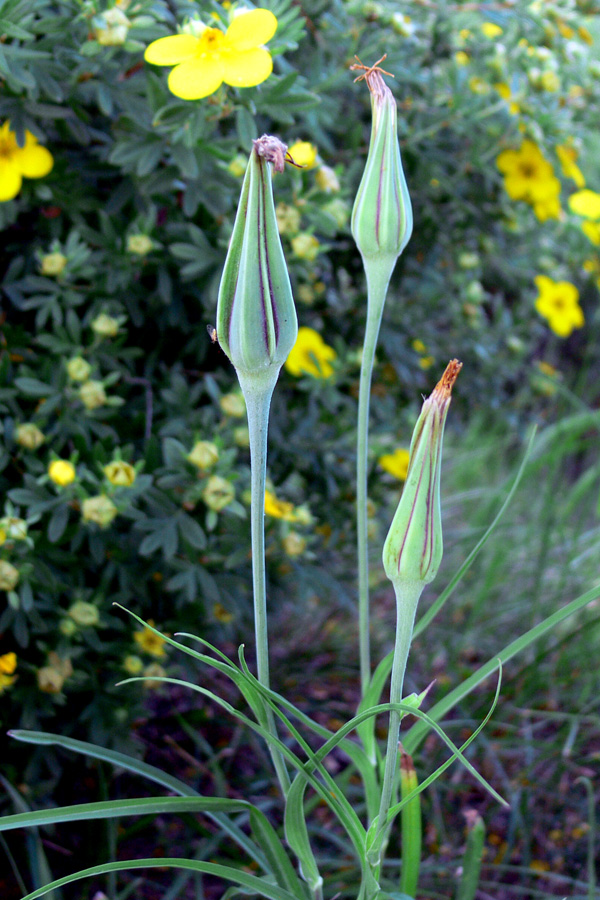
point(382, 215)
point(413, 549)
point(83, 613)
point(139, 244)
point(29, 436)
point(99, 509)
point(78, 369)
point(204, 454)
point(111, 28)
point(53, 264)
point(14, 529)
point(9, 576)
point(256, 318)
point(92, 394)
point(218, 493)
point(106, 326)
point(120, 473)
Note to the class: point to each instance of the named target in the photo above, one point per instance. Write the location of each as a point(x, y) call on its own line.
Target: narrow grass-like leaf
point(279, 862)
point(261, 886)
point(151, 773)
point(296, 833)
point(419, 730)
point(110, 809)
point(411, 828)
point(471, 867)
point(38, 864)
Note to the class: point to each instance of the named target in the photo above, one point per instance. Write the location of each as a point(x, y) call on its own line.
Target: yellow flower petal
point(34, 161)
point(197, 78)
point(248, 67)
point(592, 232)
point(585, 203)
point(10, 180)
point(171, 50)
point(251, 29)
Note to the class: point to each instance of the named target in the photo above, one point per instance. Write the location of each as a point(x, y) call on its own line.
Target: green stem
point(257, 394)
point(407, 598)
point(378, 278)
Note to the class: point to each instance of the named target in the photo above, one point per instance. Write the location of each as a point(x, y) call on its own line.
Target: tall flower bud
point(413, 549)
point(382, 215)
point(256, 317)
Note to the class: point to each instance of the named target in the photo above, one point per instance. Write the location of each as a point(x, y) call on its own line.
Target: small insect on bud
point(256, 318)
point(382, 215)
point(413, 549)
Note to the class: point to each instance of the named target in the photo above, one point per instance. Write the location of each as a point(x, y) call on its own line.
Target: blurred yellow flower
point(203, 61)
point(491, 30)
point(9, 576)
point(478, 85)
point(53, 264)
point(310, 355)
point(105, 326)
point(461, 58)
point(120, 474)
point(567, 156)
point(133, 665)
point(78, 369)
point(61, 472)
point(327, 180)
point(528, 176)
point(233, 405)
point(150, 642)
point(304, 154)
point(203, 455)
point(92, 394)
point(305, 246)
point(549, 81)
point(139, 244)
point(558, 303)
point(505, 92)
point(16, 163)
point(585, 203)
point(396, 463)
point(592, 232)
point(218, 493)
point(294, 544)
point(221, 614)
point(279, 509)
point(8, 664)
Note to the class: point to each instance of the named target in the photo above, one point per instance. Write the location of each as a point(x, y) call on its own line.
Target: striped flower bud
point(413, 549)
point(256, 317)
point(382, 215)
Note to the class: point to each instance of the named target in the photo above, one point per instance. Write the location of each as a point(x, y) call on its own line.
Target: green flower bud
point(256, 318)
point(9, 576)
point(413, 549)
point(382, 215)
point(29, 436)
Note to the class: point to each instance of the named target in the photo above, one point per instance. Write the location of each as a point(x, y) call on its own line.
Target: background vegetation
point(110, 265)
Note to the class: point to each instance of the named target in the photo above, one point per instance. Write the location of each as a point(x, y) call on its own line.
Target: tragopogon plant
point(256, 326)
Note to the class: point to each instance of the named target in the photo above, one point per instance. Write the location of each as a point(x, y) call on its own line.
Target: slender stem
point(407, 598)
point(258, 402)
point(378, 277)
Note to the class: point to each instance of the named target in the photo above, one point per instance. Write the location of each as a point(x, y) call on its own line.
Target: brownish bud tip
point(443, 389)
point(271, 149)
point(406, 762)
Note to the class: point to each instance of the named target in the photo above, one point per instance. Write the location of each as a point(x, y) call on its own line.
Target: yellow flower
point(478, 85)
point(305, 246)
point(461, 58)
point(8, 664)
point(527, 174)
point(567, 156)
point(294, 544)
point(99, 509)
point(233, 405)
point(112, 28)
point(203, 62)
point(150, 642)
point(221, 614)
point(558, 303)
point(279, 509)
point(549, 208)
point(288, 218)
point(29, 436)
point(132, 664)
point(549, 81)
point(53, 263)
point(310, 355)
point(16, 163)
point(491, 30)
point(396, 463)
point(426, 362)
point(139, 244)
point(505, 92)
point(61, 472)
point(304, 154)
point(50, 680)
point(237, 166)
point(585, 203)
point(419, 346)
point(592, 232)
point(119, 473)
point(152, 672)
